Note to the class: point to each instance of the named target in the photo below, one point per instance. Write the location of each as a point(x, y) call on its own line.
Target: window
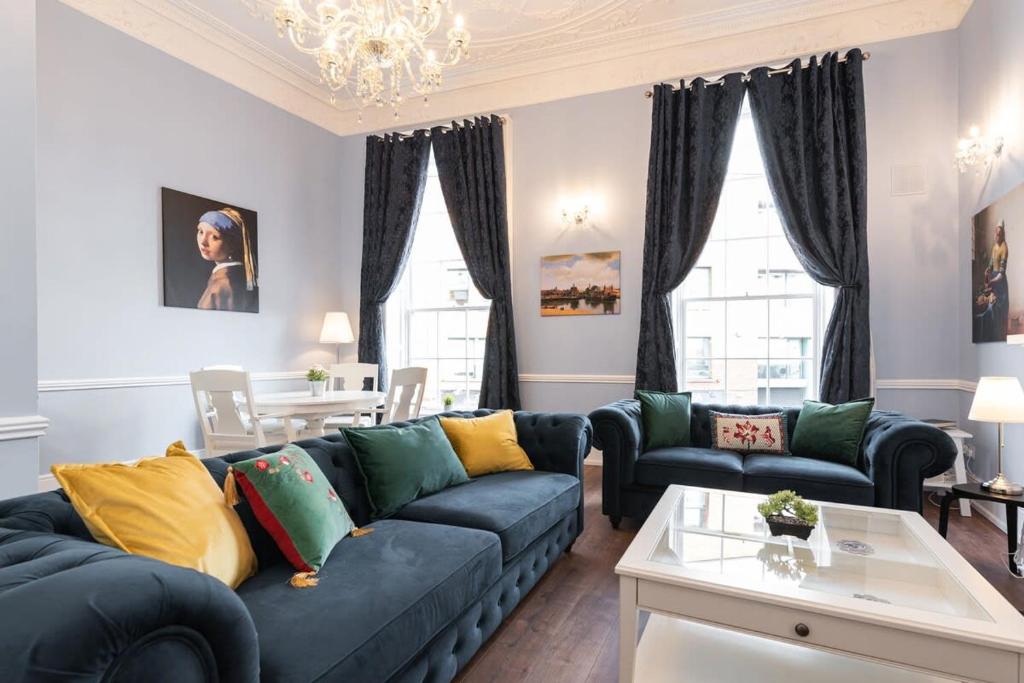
point(749, 318)
point(436, 318)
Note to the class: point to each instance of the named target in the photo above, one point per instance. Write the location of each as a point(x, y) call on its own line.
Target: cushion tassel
point(230, 489)
point(357, 532)
point(304, 580)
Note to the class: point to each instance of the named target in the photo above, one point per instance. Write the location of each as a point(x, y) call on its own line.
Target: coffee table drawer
point(930, 652)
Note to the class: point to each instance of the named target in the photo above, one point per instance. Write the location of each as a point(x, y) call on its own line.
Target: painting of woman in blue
point(223, 239)
point(992, 302)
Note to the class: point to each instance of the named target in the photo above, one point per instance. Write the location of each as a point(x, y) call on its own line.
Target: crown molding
point(23, 427)
point(598, 49)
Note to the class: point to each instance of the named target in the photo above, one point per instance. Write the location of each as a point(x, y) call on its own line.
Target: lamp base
point(1003, 486)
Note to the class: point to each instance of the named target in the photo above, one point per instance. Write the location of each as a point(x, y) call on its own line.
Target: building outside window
point(436, 318)
point(749, 319)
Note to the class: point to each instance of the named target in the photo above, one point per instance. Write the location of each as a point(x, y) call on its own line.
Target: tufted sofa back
point(700, 419)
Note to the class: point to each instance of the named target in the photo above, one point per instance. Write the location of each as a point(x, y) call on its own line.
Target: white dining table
point(292, 405)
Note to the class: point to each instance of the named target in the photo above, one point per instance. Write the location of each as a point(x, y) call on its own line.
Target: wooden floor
point(567, 627)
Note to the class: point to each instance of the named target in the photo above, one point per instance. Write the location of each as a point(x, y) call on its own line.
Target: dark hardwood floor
point(566, 629)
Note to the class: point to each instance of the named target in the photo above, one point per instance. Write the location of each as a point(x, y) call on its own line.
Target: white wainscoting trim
point(23, 427)
point(92, 384)
point(579, 379)
point(926, 384)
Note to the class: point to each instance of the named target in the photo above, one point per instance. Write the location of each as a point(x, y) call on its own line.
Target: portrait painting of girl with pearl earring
point(209, 260)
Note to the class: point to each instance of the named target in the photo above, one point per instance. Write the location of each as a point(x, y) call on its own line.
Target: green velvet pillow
point(829, 432)
point(665, 418)
point(400, 464)
point(294, 502)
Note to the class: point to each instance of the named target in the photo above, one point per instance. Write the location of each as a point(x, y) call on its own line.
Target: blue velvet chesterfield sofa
point(897, 453)
point(413, 601)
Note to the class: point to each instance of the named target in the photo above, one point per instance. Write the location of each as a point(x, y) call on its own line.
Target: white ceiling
point(526, 51)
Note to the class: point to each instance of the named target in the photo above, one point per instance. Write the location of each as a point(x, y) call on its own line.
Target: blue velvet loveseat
point(897, 453)
point(413, 601)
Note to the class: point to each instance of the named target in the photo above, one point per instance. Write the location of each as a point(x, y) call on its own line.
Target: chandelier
point(373, 45)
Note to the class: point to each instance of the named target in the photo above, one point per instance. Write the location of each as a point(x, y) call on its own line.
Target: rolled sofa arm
point(555, 442)
point(75, 610)
point(900, 452)
point(619, 437)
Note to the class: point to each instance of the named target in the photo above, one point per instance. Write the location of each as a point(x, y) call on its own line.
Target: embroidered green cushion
point(400, 464)
point(829, 432)
point(665, 418)
point(295, 503)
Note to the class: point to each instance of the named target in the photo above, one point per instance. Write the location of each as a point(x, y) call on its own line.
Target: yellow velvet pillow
point(166, 508)
point(486, 445)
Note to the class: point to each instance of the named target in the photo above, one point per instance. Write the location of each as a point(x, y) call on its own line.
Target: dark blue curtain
point(396, 173)
point(692, 130)
point(470, 162)
point(810, 125)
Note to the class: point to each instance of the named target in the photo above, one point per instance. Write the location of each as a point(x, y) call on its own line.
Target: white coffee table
point(869, 585)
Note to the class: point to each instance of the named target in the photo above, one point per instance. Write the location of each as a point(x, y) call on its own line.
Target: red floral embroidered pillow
point(294, 502)
point(749, 433)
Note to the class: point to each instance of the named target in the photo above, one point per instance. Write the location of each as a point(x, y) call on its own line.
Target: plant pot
point(318, 388)
point(789, 526)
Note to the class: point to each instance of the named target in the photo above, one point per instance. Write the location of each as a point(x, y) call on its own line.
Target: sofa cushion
point(381, 599)
point(518, 506)
point(690, 466)
point(811, 478)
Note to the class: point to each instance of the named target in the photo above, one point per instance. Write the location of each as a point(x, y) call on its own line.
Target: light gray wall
point(18, 458)
point(118, 120)
point(991, 95)
point(598, 145)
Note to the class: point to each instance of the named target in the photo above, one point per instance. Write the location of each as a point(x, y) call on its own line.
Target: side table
point(958, 470)
point(976, 492)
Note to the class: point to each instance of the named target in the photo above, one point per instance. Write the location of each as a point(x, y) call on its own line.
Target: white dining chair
point(405, 395)
point(351, 377)
point(224, 402)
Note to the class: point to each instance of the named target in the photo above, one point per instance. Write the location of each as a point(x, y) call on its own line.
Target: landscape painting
point(580, 284)
point(997, 279)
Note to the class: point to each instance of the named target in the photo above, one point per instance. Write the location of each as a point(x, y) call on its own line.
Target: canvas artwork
point(997, 278)
point(580, 284)
point(210, 258)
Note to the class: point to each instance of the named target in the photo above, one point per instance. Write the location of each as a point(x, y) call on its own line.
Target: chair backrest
point(352, 376)
point(214, 391)
point(405, 395)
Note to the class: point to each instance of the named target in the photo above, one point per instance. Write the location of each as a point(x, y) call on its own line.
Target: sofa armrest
point(555, 442)
point(76, 610)
point(618, 435)
point(900, 452)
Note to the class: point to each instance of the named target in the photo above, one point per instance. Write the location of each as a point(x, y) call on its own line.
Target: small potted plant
point(317, 377)
point(788, 514)
point(449, 401)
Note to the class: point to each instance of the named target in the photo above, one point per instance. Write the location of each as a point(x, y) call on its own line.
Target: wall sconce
point(974, 150)
point(576, 216)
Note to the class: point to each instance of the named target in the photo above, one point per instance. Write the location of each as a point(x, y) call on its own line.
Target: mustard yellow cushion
point(165, 508)
point(486, 445)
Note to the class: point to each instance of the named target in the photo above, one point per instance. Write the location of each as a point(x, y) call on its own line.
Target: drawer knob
point(802, 630)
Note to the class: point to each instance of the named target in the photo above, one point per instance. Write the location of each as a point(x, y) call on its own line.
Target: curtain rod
point(409, 134)
point(746, 76)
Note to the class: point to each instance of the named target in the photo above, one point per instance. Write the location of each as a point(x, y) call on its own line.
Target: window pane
point(708, 383)
point(747, 325)
point(477, 333)
point(423, 335)
point(741, 381)
point(452, 334)
point(745, 264)
point(792, 327)
point(706, 319)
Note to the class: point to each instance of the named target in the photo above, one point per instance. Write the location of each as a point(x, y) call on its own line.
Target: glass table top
point(852, 552)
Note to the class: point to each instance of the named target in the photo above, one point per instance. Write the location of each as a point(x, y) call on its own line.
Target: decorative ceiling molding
point(564, 50)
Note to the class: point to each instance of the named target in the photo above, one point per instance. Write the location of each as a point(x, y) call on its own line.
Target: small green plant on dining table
point(786, 504)
point(317, 373)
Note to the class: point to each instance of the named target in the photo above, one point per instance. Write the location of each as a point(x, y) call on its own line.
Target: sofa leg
point(615, 520)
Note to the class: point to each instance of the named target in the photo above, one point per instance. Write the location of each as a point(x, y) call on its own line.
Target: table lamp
point(336, 330)
point(999, 400)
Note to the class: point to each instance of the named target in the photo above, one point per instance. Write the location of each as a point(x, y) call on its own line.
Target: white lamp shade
point(336, 329)
point(998, 399)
